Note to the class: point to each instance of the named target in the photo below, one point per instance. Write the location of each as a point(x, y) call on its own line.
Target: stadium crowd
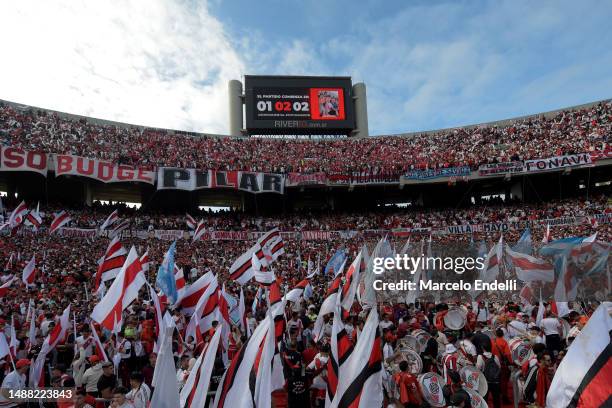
point(568, 132)
point(67, 266)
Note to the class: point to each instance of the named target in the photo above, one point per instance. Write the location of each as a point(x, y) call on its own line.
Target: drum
point(415, 364)
point(520, 348)
point(422, 337)
point(475, 398)
point(455, 319)
point(411, 342)
point(474, 379)
point(431, 388)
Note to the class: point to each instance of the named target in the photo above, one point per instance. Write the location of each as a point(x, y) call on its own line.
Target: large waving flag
point(166, 390)
point(525, 244)
point(582, 380)
point(34, 219)
point(165, 275)
point(341, 348)
point(529, 268)
point(336, 262)
point(62, 218)
point(191, 222)
point(233, 390)
point(267, 249)
point(352, 281)
point(29, 272)
point(123, 291)
point(18, 215)
point(55, 337)
point(110, 220)
point(492, 262)
point(111, 262)
point(195, 390)
point(194, 292)
point(327, 307)
point(360, 384)
point(566, 288)
point(199, 231)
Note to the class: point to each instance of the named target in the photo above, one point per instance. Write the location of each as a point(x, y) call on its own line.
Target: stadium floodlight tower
point(297, 105)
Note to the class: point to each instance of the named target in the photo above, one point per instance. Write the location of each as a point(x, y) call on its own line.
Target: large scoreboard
point(289, 104)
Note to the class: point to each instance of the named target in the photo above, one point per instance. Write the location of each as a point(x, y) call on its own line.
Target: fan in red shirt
point(409, 394)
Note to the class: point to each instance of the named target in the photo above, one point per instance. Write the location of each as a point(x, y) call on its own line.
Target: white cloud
point(155, 62)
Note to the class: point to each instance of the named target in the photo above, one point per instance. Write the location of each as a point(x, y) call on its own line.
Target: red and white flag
point(179, 281)
point(146, 262)
point(582, 380)
point(99, 347)
point(490, 269)
point(267, 249)
point(57, 336)
point(29, 272)
point(360, 385)
point(529, 268)
point(6, 287)
point(199, 231)
point(123, 291)
point(294, 294)
point(566, 288)
point(352, 281)
point(62, 218)
point(118, 229)
point(18, 215)
point(111, 263)
point(34, 219)
point(110, 220)
point(327, 307)
point(232, 390)
point(195, 390)
point(194, 292)
point(191, 222)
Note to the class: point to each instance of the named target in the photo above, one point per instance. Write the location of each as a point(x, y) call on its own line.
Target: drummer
point(409, 394)
point(518, 327)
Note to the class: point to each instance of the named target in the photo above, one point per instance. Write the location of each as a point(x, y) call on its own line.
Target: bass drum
point(415, 364)
point(422, 337)
point(431, 385)
point(476, 400)
point(455, 319)
point(520, 349)
point(474, 379)
point(411, 342)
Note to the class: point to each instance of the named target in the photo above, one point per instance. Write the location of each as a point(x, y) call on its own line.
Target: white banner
point(14, 159)
point(558, 162)
point(103, 171)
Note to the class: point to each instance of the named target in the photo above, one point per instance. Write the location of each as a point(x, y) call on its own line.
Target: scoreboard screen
point(299, 104)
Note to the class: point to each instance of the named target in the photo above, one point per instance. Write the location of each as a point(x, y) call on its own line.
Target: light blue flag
point(524, 244)
point(165, 275)
point(336, 261)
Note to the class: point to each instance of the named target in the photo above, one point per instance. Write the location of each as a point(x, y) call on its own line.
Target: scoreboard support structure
point(292, 105)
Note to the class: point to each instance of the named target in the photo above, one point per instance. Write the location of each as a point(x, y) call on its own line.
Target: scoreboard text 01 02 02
point(279, 104)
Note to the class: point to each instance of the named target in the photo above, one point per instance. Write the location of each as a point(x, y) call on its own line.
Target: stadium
point(286, 263)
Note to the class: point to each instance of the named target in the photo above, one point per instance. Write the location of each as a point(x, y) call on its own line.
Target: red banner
point(14, 159)
point(103, 171)
point(316, 235)
point(301, 179)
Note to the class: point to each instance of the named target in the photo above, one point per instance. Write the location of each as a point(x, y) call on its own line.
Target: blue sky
point(426, 64)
